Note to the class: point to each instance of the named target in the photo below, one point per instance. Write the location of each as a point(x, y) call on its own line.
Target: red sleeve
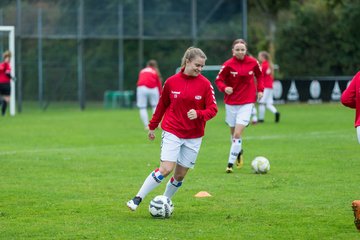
point(210, 105)
point(220, 78)
point(7, 68)
point(348, 97)
point(259, 77)
point(163, 104)
point(159, 85)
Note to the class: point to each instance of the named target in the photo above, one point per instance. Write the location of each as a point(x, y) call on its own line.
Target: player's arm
point(220, 78)
point(348, 97)
point(211, 109)
point(159, 83)
point(163, 104)
point(259, 78)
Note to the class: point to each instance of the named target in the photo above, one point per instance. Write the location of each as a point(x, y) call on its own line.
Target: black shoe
point(277, 117)
point(261, 121)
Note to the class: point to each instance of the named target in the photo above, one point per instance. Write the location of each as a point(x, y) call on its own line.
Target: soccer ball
point(260, 165)
point(161, 207)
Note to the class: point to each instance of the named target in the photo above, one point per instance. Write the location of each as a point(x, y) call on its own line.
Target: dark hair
point(153, 63)
point(266, 55)
point(191, 53)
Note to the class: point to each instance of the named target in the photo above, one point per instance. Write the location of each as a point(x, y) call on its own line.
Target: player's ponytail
point(190, 54)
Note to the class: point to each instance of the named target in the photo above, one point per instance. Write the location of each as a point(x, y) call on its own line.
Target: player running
point(186, 103)
point(236, 80)
point(267, 101)
point(148, 89)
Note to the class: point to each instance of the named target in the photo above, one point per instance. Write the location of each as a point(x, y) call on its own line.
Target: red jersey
point(351, 97)
point(4, 70)
point(148, 77)
point(182, 93)
point(239, 74)
point(267, 74)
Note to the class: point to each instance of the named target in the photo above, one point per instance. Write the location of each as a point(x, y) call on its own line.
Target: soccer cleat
point(229, 170)
point(277, 117)
point(356, 209)
point(240, 160)
point(134, 203)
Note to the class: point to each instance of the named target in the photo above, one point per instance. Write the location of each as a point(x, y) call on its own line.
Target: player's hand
point(192, 114)
point(151, 135)
point(260, 95)
point(229, 90)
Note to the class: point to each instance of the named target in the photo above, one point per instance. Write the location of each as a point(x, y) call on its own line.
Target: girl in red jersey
point(236, 80)
point(267, 100)
point(186, 103)
point(148, 89)
point(5, 77)
point(351, 98)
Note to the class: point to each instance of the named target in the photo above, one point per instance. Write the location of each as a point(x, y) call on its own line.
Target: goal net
point(8, 33)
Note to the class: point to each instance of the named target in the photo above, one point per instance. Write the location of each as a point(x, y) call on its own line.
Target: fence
point(76, 50)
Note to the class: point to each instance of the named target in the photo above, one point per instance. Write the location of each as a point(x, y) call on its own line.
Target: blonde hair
point(267, 57)
point(6, 54)
point(190, 54)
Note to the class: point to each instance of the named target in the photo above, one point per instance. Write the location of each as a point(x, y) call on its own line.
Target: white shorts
point(238, 114)
point(143, 94)
point(182, 151)
point(358, 133)
point(267, 98)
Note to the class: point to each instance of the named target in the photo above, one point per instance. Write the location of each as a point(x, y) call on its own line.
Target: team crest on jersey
point(234, 73)
point(198, 97)
point(251, 73)
point(175, 93)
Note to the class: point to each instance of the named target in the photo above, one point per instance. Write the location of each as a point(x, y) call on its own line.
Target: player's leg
point(141, 102)
point(154, 98)
point(254, 118)
point(175, 181)
point(358, 133)
point(262, 105)
point(236, 147)
point(170, 149)
point(187, 158)
point(270, 105)
point(242, 120)
point(230, 119)
point(5, 97)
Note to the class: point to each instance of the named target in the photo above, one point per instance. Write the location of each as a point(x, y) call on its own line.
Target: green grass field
point(67, 174)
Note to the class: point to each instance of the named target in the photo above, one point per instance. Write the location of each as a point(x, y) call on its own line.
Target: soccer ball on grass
point(161, 207)
point(260, 165)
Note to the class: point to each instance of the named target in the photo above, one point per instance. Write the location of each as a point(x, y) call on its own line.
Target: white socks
point(235, 150)
point(154, 180)
point(171, 187)
point(262, 108)
point(151, 182)
point(144, 116)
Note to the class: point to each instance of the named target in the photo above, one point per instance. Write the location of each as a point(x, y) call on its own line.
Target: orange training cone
point(202, 194)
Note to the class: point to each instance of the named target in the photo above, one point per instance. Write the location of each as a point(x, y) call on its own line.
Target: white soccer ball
point(260, 165)
point(161, 207)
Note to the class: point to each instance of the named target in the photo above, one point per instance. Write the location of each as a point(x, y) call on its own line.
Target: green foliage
point(67, 174)
point(318, 40)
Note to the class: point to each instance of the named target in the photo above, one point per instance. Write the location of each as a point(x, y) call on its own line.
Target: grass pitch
point(66, 174)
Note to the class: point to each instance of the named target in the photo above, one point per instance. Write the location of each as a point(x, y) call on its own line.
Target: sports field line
point(67, 149)
point(305, 135)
